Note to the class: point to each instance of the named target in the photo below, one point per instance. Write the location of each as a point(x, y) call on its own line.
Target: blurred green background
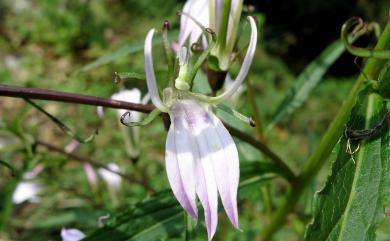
point(47, 43)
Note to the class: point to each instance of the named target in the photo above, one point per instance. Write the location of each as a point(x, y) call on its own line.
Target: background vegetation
point(52, 43)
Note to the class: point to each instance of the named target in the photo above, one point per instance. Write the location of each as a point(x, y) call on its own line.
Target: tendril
point(359, 27)
point(149, 118)
point(196, 47)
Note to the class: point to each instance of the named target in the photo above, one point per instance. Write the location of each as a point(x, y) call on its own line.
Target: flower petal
point(219, 155)
point(149, 71)
point(245, 65)
point(180, 165)
point(225, 162)
point(206, 188)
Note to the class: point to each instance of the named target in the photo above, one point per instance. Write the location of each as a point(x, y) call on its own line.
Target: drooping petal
point(72, 234)
point(150, 76)
point(180, 165)
point(219, 156)
point(245, 65)
point(225, 163)
point(206, 188)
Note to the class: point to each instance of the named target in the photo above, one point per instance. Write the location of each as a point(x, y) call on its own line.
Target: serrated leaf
point(307, 81)
point(351, 205)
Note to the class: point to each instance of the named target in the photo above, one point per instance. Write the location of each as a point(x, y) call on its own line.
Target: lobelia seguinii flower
point(201, 156)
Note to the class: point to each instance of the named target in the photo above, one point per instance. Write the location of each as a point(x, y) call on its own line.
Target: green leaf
point(352, 203)
point(122, 52)
point(162, 217)
point(159, 217)
point(307, 81)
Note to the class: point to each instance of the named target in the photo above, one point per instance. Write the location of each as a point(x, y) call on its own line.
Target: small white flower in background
point(91, 174)
point(133, 96)
point(72, 146)
point(113, 180)
point(201, 156)
point(72, 234)
point(28, 190)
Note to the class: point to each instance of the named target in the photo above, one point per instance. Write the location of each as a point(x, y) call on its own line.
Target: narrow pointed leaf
point(310, 77)
point(121, 52)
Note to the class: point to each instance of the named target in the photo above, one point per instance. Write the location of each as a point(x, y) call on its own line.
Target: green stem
point(224, 24)
point(189, 234)
point(168, 51)
point(266, 190)
point(255, 109)
point(328, 141)
point(7, 203)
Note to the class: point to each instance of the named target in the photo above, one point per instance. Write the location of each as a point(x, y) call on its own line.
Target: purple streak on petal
point(225, 162)
point(206, 186)
point(180, 165)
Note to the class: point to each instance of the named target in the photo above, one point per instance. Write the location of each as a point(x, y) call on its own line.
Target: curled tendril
point(196, 47)
point(61, 125)
point(149, 118)
point(359, 27)
point(123, 118)
point(212, 33)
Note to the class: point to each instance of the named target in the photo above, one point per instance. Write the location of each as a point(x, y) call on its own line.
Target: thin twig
point(44, 94)
point(93, 163)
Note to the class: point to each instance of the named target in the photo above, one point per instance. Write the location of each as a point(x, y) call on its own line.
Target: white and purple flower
point(201, 156)
point(71, 234)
